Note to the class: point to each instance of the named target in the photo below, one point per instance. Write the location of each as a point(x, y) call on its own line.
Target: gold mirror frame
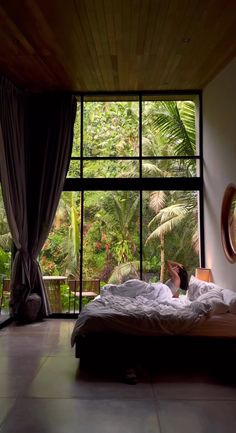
point(228, 245)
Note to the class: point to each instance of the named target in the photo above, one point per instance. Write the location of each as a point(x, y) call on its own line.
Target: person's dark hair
point(183, 275)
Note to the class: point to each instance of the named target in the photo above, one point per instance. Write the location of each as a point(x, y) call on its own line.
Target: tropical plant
point(72, 241)
point(60, 253)
point(124, 272)
point(174, 125)
point(5, 235)
point(111, 128)
point(5, 245)
point(175, 122)
point(181, 211)
point(121, 217)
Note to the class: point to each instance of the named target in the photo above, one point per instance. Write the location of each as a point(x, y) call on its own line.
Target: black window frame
point(140, 184)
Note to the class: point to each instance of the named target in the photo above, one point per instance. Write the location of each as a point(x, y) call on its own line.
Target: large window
point(143, 137)
point(133, 192)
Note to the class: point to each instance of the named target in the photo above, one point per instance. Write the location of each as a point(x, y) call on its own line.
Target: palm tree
point(63, 244)
point(71, 242)
point(120, 218)
point(173, 125)
point(181, 211)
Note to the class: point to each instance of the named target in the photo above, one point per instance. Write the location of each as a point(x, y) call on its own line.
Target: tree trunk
point(162, 242)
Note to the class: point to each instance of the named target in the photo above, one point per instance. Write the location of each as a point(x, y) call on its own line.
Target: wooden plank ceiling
point(115, 45)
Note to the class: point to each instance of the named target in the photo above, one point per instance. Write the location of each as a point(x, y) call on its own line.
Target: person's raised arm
point(174, 275)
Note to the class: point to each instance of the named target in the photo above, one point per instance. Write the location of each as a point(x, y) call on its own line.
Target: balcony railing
point(63, 294)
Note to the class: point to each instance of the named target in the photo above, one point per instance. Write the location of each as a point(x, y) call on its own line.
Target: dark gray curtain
point(36, 134)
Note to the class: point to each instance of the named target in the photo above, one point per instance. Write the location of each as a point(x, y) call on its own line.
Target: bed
point(144, 318)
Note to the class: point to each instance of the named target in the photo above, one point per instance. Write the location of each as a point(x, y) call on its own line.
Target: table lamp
point(203, 274)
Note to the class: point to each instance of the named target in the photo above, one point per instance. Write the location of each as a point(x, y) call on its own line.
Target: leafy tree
point(180, 211)
point(60, 254)
point(121, 218)
point(111, 232)
point(172, 124)
point(111, 128)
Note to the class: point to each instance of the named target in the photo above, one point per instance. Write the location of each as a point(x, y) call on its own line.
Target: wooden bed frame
point(167, 349)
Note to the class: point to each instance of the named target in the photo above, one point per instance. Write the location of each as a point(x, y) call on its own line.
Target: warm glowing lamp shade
point(203, 274)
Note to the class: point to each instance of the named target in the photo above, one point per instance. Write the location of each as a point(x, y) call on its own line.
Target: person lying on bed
point(178, 278)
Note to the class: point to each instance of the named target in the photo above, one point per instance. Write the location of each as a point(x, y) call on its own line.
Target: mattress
point(221, 325)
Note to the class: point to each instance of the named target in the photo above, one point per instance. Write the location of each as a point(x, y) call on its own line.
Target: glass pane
point(111, 169)
point(170, 168)
point(170, 232)
point(111, 128)
point(74, 169)
point(169, 128)
point(111, 236)
point(77, 129)
point(60, 256)
point(5, 260)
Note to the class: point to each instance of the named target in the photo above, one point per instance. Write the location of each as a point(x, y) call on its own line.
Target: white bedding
point(139, 308)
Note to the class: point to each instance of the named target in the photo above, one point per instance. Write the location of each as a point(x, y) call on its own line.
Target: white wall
point(219, 151)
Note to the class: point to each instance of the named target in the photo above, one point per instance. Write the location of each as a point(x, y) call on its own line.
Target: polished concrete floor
point(44, 389)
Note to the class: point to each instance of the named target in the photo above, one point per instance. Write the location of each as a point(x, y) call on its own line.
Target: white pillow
point(214, 298)
point(230, 299)
point(198, 287)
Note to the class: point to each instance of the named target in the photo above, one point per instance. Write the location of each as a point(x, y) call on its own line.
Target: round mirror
point(228, 222)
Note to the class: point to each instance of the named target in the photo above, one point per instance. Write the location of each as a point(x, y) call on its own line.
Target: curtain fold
point(36, 134)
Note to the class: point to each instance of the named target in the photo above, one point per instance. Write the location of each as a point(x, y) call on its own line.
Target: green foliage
point(169, 130)
point(5, 236)
point(5, 261)
point(174, 122)
point(69, 302)
point(77, 131)
point(5, 247)
point(111, 128)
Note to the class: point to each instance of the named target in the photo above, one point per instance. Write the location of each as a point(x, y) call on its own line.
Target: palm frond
point(173, 211)
point(157, 200)
point(131, 211)
point(118, 214)
point(152, 170)
point(171, 125)
point(5, 241)
point(187, 114)
point(195, 240)
point(165, 227)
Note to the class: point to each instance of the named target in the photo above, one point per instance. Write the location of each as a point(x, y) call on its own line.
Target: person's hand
point(174, 264)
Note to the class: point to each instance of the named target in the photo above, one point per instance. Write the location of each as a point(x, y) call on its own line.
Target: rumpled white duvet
point(139, 308)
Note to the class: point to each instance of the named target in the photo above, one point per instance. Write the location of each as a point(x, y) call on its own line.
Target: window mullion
point(140, 136)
